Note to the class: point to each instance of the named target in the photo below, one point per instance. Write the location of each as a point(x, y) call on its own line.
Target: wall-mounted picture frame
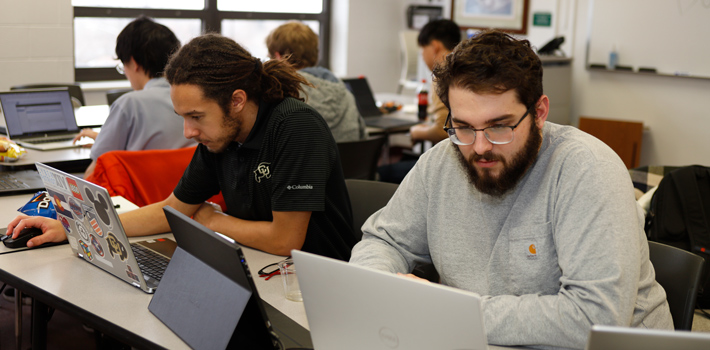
point(507, 15)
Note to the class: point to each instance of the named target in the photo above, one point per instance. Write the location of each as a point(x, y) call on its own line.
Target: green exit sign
point(542, 19)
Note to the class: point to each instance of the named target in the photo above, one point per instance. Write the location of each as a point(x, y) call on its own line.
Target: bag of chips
point(10, 151)
point(40, 205)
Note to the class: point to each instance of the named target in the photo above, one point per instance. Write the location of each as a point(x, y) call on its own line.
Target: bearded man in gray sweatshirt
point(539, 219)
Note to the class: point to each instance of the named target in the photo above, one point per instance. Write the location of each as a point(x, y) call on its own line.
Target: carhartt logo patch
point(262, 171)
point(532, 251)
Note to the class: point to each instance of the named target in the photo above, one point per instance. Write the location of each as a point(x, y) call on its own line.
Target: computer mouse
point(25, 235)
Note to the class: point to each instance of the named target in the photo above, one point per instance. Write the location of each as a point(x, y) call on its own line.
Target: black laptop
point(207, 295)
point(20, 181)
point(367, 106)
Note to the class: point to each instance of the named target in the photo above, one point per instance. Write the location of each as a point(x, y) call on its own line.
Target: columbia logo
point(299, 187)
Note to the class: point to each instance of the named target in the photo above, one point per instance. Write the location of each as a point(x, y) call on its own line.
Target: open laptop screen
point(209, 279)
point(29, 113)
point(364, 98)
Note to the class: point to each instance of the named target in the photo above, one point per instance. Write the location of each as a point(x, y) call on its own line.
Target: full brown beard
point(513, 169)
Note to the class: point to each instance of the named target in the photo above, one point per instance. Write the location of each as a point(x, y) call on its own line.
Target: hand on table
point(86, 132)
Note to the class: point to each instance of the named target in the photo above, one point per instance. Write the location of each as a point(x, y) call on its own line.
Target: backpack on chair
point(680, 217)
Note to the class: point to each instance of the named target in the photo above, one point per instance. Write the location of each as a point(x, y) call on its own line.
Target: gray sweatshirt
point(562, 251)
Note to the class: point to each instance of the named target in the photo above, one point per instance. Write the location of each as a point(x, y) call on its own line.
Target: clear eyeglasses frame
point(496, 134)
point(119, 68)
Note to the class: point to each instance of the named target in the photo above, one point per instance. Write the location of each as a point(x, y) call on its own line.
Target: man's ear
point(239, 100)
point(132, 64)
point(276, 55)
point(438, 46)
point(542, 107)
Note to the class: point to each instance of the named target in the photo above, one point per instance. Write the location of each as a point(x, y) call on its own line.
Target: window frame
point(211, 19)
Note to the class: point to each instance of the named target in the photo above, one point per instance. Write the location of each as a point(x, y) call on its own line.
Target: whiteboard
point(671, 36)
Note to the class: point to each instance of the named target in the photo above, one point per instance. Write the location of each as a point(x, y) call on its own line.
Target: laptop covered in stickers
point(96, 235)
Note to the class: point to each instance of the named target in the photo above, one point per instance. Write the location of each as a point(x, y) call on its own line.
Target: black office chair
point(367, 197)
point(679, 272)
point(359, 158)
point(113, 94)
point(74, 89)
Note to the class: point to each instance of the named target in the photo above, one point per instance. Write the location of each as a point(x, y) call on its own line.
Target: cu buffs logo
point(262, 171)
point(115, 247)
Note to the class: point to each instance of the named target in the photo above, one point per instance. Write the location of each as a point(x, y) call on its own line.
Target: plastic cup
point(288, 275)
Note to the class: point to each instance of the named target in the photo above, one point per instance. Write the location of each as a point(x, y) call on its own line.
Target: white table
point(68, 155)
point(56, 277)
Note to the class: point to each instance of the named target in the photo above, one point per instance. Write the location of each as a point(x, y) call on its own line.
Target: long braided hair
point(219, 66)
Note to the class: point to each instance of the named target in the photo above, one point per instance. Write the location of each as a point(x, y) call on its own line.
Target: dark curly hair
point(219, 66)
point(491, 62)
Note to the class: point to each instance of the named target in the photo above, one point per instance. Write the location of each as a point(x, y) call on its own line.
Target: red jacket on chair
point(144, 177)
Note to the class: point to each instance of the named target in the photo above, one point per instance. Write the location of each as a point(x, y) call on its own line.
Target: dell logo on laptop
point(389, 338)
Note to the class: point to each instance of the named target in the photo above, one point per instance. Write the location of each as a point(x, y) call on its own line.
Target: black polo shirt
point(289, 162)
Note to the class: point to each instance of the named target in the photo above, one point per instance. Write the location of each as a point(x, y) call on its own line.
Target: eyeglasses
point(268, 274)
point(119, 68)
point(496, 134)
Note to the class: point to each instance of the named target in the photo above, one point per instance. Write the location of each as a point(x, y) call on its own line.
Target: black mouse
point(25, 235)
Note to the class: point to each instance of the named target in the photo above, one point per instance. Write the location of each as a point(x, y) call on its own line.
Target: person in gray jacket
point(297, 43)
point(539, 219)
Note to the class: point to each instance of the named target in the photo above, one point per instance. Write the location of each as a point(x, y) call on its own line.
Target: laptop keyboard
point(9, 182)
point(150, 262)
point(48, 140)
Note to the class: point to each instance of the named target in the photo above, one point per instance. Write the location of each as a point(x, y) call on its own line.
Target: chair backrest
point(74, 89)
point(359, 158)
point(144, 177)
point(367, 197)
point(679, 272)
point(113, 94)
point(623, 137)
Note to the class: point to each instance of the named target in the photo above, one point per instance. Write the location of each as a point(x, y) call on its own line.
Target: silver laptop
point(39, 119)
point(352, 307)
point(96, 235)
point(626, 338)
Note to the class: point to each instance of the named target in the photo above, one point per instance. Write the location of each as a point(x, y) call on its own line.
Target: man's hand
point(86, 132)
point(207, 212)
point(409, 275)
point(52, 230)
point(419, 132)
